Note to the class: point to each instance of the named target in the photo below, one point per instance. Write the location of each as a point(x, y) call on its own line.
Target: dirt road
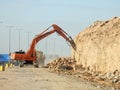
point(40, 79)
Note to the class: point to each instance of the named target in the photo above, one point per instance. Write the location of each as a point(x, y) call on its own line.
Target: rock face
point(98, 46)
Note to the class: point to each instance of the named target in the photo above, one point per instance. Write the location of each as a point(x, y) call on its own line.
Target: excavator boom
point(46, 33)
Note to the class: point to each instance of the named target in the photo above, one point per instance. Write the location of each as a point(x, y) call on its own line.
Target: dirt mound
point(98, 46)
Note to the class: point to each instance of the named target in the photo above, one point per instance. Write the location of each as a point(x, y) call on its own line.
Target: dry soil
point(41, 79)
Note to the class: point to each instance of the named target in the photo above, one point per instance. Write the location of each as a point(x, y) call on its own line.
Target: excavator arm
point(46, 33)
point(64, 35)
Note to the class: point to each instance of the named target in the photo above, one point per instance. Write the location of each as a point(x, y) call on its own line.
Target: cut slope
point(98, 46)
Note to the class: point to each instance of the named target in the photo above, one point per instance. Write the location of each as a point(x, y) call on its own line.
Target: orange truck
point(30, 56)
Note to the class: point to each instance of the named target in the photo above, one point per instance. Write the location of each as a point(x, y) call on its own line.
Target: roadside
point(41, 79)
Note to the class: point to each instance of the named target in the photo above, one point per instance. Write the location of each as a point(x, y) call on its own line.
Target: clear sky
point(36, 15)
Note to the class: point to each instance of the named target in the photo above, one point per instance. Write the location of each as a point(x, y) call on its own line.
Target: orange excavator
point(30, 55)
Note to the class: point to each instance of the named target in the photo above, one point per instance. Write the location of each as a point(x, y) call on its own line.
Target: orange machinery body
point(30, 55)
point(25, 56)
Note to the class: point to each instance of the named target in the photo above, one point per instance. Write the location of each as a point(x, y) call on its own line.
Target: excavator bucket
point(73, 44)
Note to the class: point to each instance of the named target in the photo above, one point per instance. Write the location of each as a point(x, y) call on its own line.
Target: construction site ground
point(29, 78)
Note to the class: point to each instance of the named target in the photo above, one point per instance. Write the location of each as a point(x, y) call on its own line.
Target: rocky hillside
point(98, 46)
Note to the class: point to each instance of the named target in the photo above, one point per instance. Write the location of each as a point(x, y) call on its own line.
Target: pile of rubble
point(113, 77)
point(61, 64)
point(68, 66)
